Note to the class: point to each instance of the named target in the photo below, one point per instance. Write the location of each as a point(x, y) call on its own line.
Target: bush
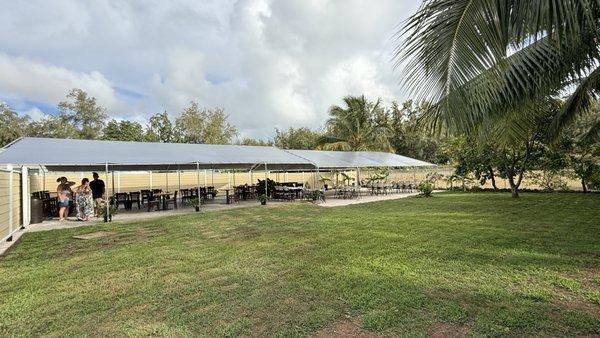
point(549, 180)
point(425, 188)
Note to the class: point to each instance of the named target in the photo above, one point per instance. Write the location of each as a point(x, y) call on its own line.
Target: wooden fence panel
point(10, 202)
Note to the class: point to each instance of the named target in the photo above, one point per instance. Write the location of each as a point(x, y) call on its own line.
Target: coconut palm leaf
point(356, 127)
point(593, 134)
point(580, 101)
point(476, 58)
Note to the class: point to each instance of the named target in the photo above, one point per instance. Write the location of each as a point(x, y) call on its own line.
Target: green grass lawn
point(474, 264)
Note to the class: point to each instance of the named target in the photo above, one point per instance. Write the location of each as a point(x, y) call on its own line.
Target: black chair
point(186, 195)
point(146, 194)
point(211, 191)
point(172, 200)
point(251, 192)
point(153, 202)
point(51, 207)
point(122, 198)
point(135, 197)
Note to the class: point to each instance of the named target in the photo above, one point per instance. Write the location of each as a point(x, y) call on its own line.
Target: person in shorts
point(65, 194)
point(98, 189)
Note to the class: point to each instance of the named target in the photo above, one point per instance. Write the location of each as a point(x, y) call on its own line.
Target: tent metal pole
point(358, 180)
point(150, 173)
point(106, 195)
point(44, 179)
point(212, 177)
point(266, 179)
point(205, 178)
point(229, 179)
point(25, 200)
point(250, 176)
point(234, 178)
point(167, 180)
point(112, 184)
point(118, 181)
point(198, 179)
point(9, 167)
point(179, 179)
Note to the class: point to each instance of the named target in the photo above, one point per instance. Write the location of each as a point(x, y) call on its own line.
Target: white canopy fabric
point(77, 155)
point(357, 159)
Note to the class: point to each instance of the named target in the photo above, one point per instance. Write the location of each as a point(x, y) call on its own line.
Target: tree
point(470, 159)
point(123, 131)
point(196, 125)
point(408, 137)
point(519, 140)
point(583, 151)
point(84, 113)
point(297, 138)
point(53, 126)
point(159, 128)
point(361, 125)
point(254, 142)
point(480, 59)
point(12, 126)
point(217, 129)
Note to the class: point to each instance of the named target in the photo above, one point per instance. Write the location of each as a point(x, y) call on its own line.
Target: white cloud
point(35, 114)
point(47, 83)
point(268, 63)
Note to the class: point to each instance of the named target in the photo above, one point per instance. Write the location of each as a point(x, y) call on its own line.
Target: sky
point(269, 63)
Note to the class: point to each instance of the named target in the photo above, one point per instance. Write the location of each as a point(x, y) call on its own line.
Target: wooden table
point(228, 195)
point(164, 197)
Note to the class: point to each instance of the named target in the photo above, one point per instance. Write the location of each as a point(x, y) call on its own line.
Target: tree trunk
point(514, 188)
point(492, 177)
point(583, 185)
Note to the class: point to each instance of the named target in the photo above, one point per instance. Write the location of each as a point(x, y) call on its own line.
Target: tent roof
point(77, 155)
point(74, 155)
point(354, 159)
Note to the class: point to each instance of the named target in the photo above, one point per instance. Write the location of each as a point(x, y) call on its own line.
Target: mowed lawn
point(453, 264)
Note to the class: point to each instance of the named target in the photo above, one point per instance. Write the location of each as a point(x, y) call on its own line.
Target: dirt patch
point(441, 329)
point(345, 328)
point(571, 301)
point(93, 235)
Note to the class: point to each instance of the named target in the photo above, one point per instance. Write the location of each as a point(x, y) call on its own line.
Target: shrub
point(425, 188)
point(549, 180)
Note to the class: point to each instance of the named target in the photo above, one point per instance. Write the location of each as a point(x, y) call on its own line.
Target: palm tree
point(361, 125)
point(483, 59)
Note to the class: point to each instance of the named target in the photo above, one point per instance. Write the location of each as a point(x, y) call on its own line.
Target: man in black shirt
point(97, 186)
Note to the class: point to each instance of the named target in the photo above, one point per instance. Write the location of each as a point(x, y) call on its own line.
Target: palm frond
point(593, 134)
point(579, 102)
point(474, 58)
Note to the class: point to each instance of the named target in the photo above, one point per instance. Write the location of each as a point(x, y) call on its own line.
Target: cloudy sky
point(269, 63)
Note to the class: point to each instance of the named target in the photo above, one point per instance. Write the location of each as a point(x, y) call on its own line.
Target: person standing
point(64, 192)
point(85, 203)
point(98, 189)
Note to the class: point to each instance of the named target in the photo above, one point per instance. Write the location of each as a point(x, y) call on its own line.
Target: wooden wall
point(5, 202)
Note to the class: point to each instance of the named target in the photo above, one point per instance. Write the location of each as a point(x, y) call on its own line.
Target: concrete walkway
point(135, 215)
point(334, 202)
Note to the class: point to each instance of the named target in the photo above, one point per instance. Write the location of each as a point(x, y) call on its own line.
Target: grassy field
point(453, 264)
